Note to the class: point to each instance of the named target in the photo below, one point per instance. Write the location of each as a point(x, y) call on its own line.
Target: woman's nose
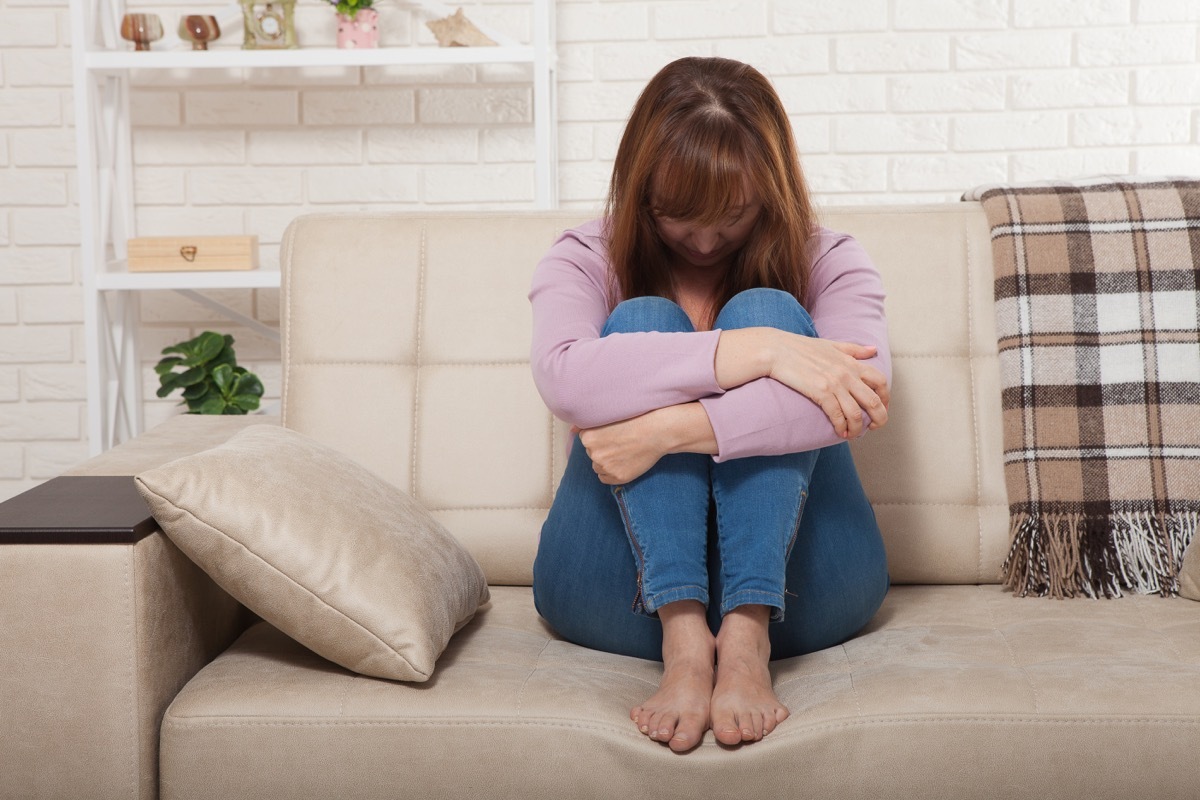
point(705, 240)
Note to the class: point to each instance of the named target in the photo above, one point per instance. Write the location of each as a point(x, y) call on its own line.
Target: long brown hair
point(700, 127)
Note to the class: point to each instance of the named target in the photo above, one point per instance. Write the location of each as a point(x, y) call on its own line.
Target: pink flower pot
point(361, 31)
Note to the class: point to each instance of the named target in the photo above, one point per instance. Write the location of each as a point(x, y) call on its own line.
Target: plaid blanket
point(1098, 316)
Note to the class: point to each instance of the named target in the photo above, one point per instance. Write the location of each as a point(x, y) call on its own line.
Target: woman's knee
point(641, 314)
point(771, 308)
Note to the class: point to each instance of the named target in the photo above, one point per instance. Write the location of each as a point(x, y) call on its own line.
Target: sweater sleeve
point(845, 301)
point(587, 380)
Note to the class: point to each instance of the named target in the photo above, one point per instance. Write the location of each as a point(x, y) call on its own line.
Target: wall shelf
point(102, 66)
point(227, 58)
point(117, 279)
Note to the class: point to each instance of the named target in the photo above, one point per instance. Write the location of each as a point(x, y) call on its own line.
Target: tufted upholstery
point(406, 346)
point(425, 376)
point(952, 692)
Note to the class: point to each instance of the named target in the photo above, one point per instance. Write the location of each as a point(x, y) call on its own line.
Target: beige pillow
point(1189, 571)
point(320, 547)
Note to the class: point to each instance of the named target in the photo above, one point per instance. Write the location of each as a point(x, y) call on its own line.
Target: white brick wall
point(892, 101)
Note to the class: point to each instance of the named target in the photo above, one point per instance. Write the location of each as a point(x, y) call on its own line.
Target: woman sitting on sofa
point(713, 349)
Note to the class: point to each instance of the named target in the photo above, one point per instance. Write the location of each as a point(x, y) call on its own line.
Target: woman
point(709, 512)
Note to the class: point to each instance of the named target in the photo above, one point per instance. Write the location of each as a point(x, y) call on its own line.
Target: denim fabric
point(792, 532)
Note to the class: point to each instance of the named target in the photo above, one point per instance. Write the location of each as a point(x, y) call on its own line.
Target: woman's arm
point(772, 405)
point(591, 381)
point(622, 451)
point(849, 393)
point(830, 374)
point(845, 301)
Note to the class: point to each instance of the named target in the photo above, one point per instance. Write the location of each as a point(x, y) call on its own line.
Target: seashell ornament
point(458, 31)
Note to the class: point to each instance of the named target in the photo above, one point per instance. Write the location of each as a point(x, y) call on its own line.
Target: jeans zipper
point(638, 601)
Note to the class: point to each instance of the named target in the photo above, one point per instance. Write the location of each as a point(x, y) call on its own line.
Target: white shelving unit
point(102, 66)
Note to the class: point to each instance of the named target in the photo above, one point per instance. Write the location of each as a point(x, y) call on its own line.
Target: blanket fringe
point(1070, 554)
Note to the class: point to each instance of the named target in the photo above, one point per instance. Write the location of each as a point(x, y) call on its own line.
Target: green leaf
point(223, 379)
point(194, 404)
point(182, 348)
point(196, 391)
point(208, 346)
point(247, 402)
point(215, 405)
point(186, 347)
point(249, 384)
point(166, 365)
point(166, 389)
point(226, 356)
point(192, 376)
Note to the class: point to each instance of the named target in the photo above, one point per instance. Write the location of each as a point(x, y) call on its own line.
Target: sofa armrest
point(96, 639)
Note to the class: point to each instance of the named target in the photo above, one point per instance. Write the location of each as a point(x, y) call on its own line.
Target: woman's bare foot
point(678, 712)
point(744, 706)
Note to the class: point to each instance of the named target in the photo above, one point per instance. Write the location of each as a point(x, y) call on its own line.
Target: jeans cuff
point(757, 597)
point(651, 604)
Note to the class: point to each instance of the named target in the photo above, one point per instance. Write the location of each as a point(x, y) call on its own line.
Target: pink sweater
point(590, 381)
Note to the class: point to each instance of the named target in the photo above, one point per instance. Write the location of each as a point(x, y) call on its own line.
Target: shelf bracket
point(213, 305)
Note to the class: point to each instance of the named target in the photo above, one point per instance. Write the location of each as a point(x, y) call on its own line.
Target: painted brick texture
point(892, 101)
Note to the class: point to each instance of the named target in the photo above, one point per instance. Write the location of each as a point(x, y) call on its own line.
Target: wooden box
point(186, 253)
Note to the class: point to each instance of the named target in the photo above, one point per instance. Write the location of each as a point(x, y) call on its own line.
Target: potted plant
point(357, 23)
point(209, 375)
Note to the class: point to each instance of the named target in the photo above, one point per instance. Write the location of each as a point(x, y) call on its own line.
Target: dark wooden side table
point(77, 509)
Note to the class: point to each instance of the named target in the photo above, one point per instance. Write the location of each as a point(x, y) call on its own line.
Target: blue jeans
point(793, 532)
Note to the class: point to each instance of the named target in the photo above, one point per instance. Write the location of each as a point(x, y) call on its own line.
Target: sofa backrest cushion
point(406, 346)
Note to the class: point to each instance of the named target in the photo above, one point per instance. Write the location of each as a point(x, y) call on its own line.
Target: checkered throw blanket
point(1097, 315)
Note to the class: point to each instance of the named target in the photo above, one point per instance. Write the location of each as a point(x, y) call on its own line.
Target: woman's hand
point(832, 375)
point(827, 372)
point(626, 450)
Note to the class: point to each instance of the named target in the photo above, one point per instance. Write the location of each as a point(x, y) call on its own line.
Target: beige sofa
point(125, 672)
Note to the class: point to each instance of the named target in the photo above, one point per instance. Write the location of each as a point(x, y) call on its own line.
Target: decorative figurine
point(199, 30)
point(269, 26)
point(458, 31)
point(141, 29)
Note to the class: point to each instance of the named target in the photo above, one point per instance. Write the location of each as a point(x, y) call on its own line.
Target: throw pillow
point(321, 548)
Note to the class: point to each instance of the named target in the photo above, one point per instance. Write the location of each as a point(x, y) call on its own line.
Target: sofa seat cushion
point(952, 691)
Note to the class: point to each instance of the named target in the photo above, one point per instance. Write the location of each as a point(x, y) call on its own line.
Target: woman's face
point(708, 247)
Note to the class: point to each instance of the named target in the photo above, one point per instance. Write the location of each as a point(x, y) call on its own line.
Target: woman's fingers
point(833, 409)
point(872, 404)
point(870, 391)
point(858, 351)
point(622, 451)
point(853, 413)
point(855, 401)
point(832, 374)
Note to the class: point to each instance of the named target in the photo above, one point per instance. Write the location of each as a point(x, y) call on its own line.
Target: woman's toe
point(726, 730)
point(687, 733)
point(664, 727)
